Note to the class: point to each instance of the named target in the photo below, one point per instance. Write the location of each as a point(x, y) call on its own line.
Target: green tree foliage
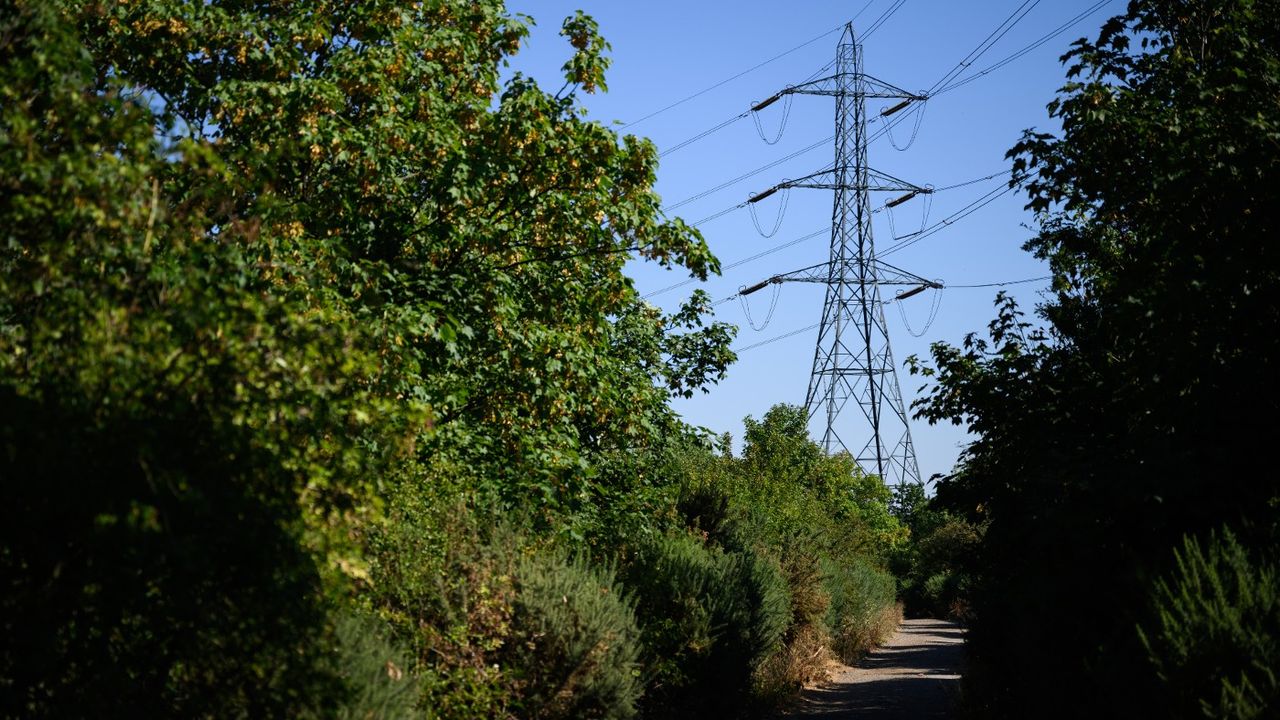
point(797, 489)
point(1138, 413)
point(932, 565)
point(322, 392)
point(181, 417)
point(268, 269)
point(1217, 634)
point(817, 524)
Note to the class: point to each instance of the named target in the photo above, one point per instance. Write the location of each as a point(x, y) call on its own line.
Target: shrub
point(934, 572)
point(805, 651)
point(574, 644)
point(801, 659)
point(374, 671)
point(862, 611)
point(448, 591)
point(704, 509)
point(709, 619)
point(1216, 641)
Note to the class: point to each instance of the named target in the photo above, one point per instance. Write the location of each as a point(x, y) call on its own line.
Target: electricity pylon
point(853, 359)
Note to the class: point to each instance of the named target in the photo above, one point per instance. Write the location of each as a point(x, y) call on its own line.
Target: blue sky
point(664, 52)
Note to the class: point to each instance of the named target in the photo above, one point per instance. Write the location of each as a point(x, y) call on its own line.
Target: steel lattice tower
point(852, 359)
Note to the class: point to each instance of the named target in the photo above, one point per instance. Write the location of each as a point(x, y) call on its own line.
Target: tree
point(266, 268)
point(803, 488)
point(1107, 435)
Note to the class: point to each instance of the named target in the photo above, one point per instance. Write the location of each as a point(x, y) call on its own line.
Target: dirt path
point(915, 675)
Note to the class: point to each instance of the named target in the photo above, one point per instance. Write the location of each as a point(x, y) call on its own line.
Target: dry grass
point(855, 639)
point(806, 649)
point(803, 660)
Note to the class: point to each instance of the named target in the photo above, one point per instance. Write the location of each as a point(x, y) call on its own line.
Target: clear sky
point(664, 52)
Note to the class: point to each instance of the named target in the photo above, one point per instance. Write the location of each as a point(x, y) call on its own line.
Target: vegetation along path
point(915, 675)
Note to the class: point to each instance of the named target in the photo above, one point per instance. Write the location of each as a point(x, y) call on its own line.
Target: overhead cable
point(910, 239)
point(884, 16)
point(739, 116)
point(744, 261)
point(773, 305)
point(1003, 28)
point(884, 130)
point(798, 331)
point(933, 312)
point(711, 130)
point(775, 339)
point(974, 181)
point(777, 222)
point(727, 80)
point(1027, 48)
point(1002, 284)
point(782, 126)
point(752, 173)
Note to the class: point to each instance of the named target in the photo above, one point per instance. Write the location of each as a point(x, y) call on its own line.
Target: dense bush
point(449, 600)
point(1138, 407)
point(574, 645)
point(934, 570)
point(379, 685)
point(297, 301)
point(862, 611)
point(709, 618)
point(823, 523)
point(1216, 639)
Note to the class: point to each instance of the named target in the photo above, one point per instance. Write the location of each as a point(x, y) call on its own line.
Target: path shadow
point(916, 675)
point(902, 698)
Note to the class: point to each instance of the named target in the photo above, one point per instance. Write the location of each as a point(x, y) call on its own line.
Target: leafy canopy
point(1134, 413)
point(264, 267)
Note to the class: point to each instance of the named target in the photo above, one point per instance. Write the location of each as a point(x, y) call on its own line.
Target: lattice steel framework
point(852, 359)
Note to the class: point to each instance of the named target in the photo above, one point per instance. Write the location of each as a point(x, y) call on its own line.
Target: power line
point(720, 126)
point(783, 336)
point(746, 175)
point(880, 20)
point(751, 69)
point(990, 40)
point(994, 36)
point(884, 130)
point(906, 240)
point(1002, 284)
point(910, 239)
point(757, 171)
point(721, 213)
point(1027, 48)
point(711, 130)
point(743, 261)
point(974, 181)
point(793, 333)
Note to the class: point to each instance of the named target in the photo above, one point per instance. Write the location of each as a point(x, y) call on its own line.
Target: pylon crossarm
point(834, 85)
point(829, 180)
point(793, 276)
point(892, 275)
point(785, 184)
point(837, 84)
point(889, 182)
point(814, 273)
point(889, 90)
point(822, 273)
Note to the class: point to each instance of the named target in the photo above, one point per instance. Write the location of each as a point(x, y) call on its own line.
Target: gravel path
point(915, 675)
